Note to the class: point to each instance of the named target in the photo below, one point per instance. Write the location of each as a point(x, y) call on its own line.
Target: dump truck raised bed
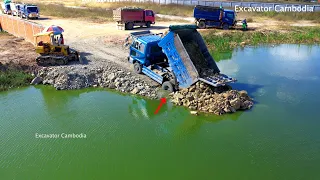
point(129, 17)
point(178, 59)
point(207, 16)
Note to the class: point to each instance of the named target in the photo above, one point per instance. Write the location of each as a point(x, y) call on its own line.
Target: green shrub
point(11, 78)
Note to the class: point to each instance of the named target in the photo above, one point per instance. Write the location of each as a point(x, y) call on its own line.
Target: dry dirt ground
point(10, 45)
point(99, 44)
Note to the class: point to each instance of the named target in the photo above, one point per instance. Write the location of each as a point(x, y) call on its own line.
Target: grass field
point(59, 10)
point(103, 11)
point(93, 13)
point(288, 16)
point(288, 35)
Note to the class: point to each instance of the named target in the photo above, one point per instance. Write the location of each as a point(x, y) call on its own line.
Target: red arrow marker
point(162, 102)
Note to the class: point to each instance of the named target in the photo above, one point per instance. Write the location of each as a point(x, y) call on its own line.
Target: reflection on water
point(218, 56)
point(292, 52)
point(142, 109)
point(285, 70)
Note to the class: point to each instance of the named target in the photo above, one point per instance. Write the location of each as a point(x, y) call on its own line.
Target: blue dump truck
point(29, 11)
point(175, 60)
point(207, 16)
point(6, 7)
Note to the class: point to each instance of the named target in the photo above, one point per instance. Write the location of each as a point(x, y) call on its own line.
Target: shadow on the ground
point(150, 28)
point(84, 57)
point(44, 18)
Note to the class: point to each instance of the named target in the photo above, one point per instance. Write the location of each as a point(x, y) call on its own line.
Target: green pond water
point(278, 139)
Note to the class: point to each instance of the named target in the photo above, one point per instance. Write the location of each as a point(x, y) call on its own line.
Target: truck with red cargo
point(129, 17)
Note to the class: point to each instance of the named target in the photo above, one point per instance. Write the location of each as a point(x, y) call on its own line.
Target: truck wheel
point(168, 86)
point(148, 24)
point(202, 25)
point(225, 26)
point(137, 67)
point(129, 25)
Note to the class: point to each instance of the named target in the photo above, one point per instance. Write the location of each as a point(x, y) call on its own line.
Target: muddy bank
point(16, 62)
point(203, 98)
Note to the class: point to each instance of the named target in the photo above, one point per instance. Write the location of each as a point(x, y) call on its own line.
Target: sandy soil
point(17, 51)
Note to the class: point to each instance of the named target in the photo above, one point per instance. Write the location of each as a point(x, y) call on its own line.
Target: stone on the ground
point(194, 112)
point(204, 98)
point(111, 76)
point(243, 43)
point(235, 103)
point(68, 77)
point(135, 91)
point(36, 80)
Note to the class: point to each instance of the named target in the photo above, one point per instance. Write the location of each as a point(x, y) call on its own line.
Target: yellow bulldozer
point(52, 53)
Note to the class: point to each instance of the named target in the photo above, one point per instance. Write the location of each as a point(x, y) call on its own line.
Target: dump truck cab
point(145, 49)
point(128, 17)
point(29, 11)
point(230, 17)
point(6, 8)
point(207, 16)
point(148, 58)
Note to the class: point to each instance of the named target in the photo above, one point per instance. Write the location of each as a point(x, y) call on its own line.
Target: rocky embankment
point(203, 98)
point(77, 77)
point(198, 98)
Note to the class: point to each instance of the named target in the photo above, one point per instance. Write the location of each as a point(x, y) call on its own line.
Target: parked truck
point(14, 9)
point(207, 16)
point(29, 11)
point(129, 17)
point(178, 59)
point(6, 7)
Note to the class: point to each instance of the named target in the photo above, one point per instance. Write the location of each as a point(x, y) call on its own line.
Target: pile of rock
point(203, 98)
point(199, 97)
point(68, 77)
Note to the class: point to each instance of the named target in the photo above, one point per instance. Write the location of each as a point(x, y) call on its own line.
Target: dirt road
point(99, 44)
point(76, 29)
